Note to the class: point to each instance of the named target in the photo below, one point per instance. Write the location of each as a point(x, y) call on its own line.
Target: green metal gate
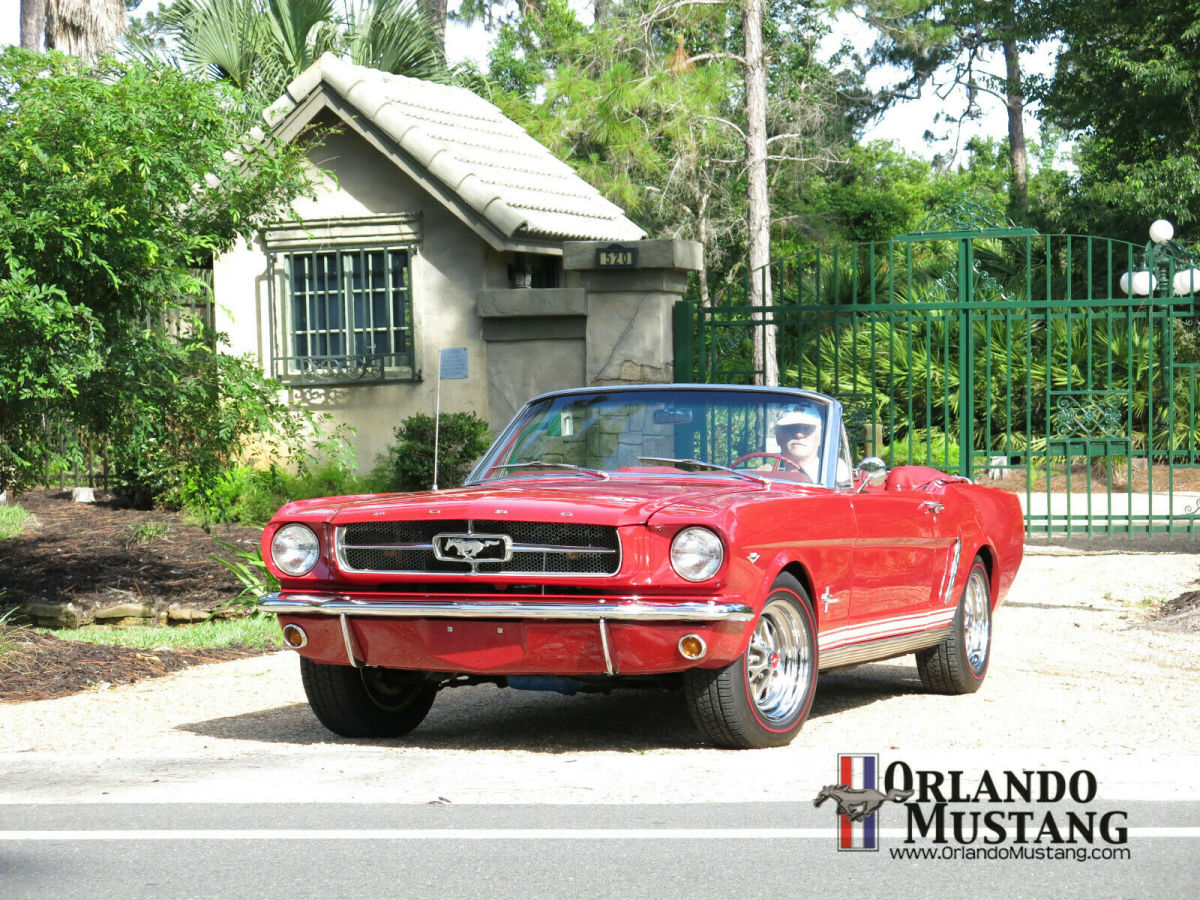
point(997, 353)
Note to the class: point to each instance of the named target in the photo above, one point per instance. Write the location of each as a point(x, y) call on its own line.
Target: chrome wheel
point(959, 663)
point(779, 661)
point(976, 621)
point(761, 699)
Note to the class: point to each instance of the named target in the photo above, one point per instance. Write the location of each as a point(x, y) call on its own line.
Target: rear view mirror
point(673, 415)
point(873, 471)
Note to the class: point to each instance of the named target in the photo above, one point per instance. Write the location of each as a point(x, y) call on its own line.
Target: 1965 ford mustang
point(715, 538)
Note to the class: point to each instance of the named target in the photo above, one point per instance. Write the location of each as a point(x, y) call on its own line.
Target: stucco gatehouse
point(441, 224)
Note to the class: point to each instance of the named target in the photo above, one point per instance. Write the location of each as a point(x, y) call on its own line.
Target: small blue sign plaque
point(453, 363)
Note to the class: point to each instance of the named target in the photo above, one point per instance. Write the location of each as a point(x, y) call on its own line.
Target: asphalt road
point(447, 851)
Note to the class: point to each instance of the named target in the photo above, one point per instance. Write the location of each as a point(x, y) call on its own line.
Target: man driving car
point(798, 433)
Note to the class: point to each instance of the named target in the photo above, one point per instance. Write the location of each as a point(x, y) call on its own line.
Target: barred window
point(347, 315)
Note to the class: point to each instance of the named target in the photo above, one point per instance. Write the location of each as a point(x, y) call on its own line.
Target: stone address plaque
point(616, 256)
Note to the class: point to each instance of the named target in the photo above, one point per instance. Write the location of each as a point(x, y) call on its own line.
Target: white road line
point(489, 834)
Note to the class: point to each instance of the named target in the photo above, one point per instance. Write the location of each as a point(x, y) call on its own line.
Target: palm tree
point(84, 28)
point(261, 45)
point(33, 24)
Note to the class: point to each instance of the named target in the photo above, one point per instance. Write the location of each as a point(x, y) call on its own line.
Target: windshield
point(670, 431)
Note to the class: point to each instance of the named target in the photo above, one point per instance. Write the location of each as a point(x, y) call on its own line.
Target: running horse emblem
point(858, 803)
point(469, 548)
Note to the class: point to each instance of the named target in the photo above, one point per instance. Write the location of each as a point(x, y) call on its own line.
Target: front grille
point(537, 548)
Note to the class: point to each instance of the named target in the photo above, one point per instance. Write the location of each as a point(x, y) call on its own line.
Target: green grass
point(12, 520)
point(145, 533)
point(253, 631)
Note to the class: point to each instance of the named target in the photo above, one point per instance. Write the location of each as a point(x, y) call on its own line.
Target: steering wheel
point(782, 463)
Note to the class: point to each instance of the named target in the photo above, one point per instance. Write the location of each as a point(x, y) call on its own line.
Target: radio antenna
point(437, 423)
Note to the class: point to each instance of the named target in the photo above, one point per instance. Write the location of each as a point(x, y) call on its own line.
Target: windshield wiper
point(758, 479)
point(543, 464)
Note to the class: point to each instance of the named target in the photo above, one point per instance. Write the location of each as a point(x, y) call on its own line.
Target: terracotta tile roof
point(486, 159)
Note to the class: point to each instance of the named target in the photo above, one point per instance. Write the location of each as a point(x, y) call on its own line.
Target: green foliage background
point(115, 184)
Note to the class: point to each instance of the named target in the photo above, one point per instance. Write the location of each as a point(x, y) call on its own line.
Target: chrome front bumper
point(591, 611)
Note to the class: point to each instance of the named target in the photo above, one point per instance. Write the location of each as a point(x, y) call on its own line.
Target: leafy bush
point(48, 346)
point(408, 463)
point(195, 412)
point(249, 495)
point(116, 184)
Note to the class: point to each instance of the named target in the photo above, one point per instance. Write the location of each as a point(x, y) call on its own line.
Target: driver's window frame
point(844, 468)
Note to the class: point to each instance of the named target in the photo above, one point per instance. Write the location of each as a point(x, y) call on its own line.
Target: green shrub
point(408, 463)
point(250, 496)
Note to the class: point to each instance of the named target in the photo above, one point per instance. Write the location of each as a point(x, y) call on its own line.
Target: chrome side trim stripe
point(595, 611)
point(881, 649)
point(836, 638)
point(953, 573)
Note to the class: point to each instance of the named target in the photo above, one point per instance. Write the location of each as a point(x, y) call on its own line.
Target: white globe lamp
point(1185, 282)
point(1139, 284)
point(1161, 231)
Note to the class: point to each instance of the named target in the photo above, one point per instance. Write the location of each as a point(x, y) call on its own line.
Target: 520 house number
point(616, 257)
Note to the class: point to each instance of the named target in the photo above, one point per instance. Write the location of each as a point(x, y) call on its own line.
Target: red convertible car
point(715, 538)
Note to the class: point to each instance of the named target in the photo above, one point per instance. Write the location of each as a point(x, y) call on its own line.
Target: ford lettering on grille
point(472, 547)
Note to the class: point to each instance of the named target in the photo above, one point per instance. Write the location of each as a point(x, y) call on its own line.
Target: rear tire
point(367, 702)
point(762, 698)
point(959, 663)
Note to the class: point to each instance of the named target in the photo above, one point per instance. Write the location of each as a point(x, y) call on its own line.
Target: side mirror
point(873, 471)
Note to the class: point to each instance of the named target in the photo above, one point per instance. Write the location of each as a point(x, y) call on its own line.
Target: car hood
point(594, 501)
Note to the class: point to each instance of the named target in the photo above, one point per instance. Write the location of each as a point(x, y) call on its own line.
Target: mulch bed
point(86, 553)
point(39, 666)
point(1180, 615)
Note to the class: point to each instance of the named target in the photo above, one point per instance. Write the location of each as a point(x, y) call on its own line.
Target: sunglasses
point(800, 430)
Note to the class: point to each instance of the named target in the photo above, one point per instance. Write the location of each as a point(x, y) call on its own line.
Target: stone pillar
point(535, 342)
point(631, 290)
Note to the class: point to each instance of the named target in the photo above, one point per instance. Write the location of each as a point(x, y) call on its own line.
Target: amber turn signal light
point(692, 646)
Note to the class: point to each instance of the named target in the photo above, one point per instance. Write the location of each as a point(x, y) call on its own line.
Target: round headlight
point(295, 549)
point(696, 554)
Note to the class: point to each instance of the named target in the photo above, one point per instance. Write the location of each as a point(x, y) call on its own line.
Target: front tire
point(762, 698)
point(366, 702)
point(959, 663)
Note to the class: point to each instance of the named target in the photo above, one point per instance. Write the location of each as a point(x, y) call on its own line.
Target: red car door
point(900, 554)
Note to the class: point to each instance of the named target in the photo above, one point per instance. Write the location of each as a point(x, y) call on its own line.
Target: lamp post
point(1166, 267)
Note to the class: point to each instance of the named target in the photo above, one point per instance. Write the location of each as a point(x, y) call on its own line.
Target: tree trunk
point(758, 207)
point(1019, 191)
point(84, 28)
point(435, 14)
point(602, 10)
point(33, 24)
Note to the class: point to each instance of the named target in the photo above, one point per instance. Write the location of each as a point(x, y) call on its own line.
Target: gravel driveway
point(1076, 681)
